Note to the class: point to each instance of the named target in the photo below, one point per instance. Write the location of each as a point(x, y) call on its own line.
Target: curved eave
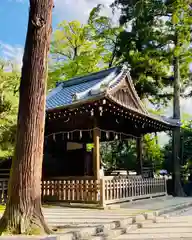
point(171, 121)
point(77, 103)
point(158, 119)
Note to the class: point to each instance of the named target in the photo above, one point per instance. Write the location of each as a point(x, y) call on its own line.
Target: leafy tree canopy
point(185, 148)
point(73, 52)
point(148, 43)
point(123, 154)
point(104, 30)
point(9, 83)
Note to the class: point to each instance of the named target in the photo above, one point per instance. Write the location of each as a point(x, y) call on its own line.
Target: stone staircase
point(130, 222)
point(175, 227)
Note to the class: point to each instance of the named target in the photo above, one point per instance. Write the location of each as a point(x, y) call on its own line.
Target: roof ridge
point(98, 88)
point(85, 78)
point(89, 86)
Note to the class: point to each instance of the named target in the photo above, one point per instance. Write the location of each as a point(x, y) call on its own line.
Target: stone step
point(165, 224)
point(114, 233)
point(160, 228)
point(168, 230)
point(175, 220)
point(154, 236)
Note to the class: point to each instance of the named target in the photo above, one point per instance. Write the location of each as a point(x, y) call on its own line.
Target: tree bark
point(177, 187)
point(23, 214)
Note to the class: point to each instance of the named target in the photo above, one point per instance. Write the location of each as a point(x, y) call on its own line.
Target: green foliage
point(73, 52)
point(123, 154)
point(185, 148)
point(141, 44)
point(186, 153)
point(148, 43)
point(104, 31)
point(9, 83)
point(152, 152)
point(178, 32)
point(78, 49)
point(119, 154)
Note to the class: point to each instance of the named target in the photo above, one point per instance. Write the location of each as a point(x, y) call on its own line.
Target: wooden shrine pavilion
point(102, 106)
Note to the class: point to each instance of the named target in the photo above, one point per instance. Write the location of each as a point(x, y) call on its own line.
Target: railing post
point(102, 192)
point(165, 182)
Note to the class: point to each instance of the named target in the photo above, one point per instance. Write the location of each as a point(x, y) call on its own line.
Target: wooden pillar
point(139, 155)
point(96, 153)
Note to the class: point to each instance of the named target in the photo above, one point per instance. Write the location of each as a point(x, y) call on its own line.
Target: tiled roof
point(91, 86)
point(81, 88)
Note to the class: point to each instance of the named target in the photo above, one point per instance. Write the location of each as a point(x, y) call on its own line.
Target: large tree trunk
point(177, 187)
point(23, 214)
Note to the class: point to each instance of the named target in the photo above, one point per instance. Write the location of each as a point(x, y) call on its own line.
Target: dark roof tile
point(62, 94)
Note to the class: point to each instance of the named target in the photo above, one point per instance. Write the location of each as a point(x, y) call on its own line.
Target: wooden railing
point(3, 190)
point(105, 191)
point(119, 190)
point(70, 190)
point(4, 173)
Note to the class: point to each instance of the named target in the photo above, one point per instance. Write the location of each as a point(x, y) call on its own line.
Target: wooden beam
point(96, 153)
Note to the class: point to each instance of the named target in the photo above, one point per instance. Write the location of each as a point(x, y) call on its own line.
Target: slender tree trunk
point(139, 147)
point(113, 55)
point(23, 214)
point(177, 187)
point(156, 138)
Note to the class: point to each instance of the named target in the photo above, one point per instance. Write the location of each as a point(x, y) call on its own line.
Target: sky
point(13, 20)
point(14, 16)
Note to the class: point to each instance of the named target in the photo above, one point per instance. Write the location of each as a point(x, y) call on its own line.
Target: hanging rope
point(107, 132)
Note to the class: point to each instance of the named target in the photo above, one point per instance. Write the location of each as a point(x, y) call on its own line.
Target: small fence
point(87, 190)
point(70, 190)
point(4, 173)
point(119, 190)
point(3, 190)
point(105, 191)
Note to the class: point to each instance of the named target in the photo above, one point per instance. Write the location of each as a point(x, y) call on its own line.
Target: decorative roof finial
point(125, 66)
